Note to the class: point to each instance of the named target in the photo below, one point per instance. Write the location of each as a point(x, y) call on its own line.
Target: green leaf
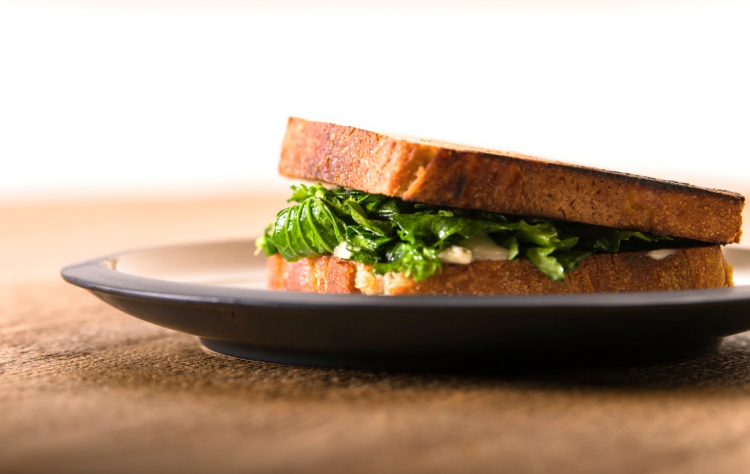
point(416, 261)
point(611, 241)
point(360, 217)
point(401, 236)
point(546, 263)
point(387, 209)
point(303, 192)
point(265, 242)
point(307, 229)
point(568, 243)
point(430, 226)
point(512, 245)
point(543, 233)
point(571, 260)
point(362, 237)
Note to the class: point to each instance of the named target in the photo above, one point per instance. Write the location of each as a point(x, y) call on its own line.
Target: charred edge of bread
point(687, 268)
point(456, 176)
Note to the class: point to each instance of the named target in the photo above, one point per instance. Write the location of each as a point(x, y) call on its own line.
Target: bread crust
point(687, 268)
point(509, 183)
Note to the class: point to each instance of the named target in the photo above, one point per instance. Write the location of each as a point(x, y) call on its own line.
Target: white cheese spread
point(479, 247)
point(484, 248)
point(455, 254)
point(340, 251)
point(661, 253)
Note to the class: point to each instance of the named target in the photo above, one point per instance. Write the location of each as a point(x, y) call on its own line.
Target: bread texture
point(509, 183)
point(687, 268)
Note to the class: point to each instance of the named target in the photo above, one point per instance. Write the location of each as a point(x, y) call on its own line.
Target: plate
point(216, 292)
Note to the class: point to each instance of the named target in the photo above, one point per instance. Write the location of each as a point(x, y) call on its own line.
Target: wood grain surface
point(85, 388)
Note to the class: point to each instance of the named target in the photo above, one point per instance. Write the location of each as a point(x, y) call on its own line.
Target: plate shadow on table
point(725, 372)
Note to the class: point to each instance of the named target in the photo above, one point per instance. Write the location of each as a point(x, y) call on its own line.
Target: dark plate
point(215, 291)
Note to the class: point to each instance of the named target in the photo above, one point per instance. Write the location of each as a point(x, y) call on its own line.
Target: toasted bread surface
point(687, 268)
point(509, 183)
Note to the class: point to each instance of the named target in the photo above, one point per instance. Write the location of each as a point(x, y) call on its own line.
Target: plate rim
point(98, 276)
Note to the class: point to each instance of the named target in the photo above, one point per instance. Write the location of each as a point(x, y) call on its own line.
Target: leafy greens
point(399, 236)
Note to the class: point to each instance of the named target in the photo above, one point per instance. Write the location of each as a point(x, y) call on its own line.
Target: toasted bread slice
point(687, 268)
point(509, 183)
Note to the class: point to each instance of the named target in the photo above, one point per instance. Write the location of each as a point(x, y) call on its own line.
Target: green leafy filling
point(399, 236)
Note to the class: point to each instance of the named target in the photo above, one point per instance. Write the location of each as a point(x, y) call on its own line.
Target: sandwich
point(384, 215)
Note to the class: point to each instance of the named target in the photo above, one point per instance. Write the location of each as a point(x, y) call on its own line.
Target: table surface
point(86, 388)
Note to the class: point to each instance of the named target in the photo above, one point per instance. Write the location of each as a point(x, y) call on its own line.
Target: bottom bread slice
point(686, 268)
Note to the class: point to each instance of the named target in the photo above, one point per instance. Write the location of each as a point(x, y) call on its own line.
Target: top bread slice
point(509, 183)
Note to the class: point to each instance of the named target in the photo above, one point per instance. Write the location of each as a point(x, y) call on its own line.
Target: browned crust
point(315, 275)
point(508, 183)
point(687, 268)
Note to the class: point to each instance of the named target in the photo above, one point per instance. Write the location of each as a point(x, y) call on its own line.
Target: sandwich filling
point(415, 239)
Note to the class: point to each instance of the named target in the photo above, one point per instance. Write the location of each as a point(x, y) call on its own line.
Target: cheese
point(456, 254)
point(484, 248)
point(661, 253)
point(479, 247)
point(340, 251)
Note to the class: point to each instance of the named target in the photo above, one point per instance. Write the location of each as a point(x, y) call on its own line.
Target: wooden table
point(85, 388)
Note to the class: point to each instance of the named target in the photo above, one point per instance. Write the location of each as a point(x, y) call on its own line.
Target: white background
point(142, 98)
